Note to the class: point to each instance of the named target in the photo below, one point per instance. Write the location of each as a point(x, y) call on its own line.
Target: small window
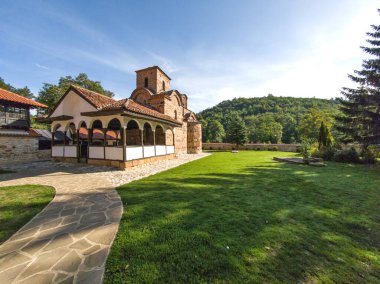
point(163, 85)
point(175, 114)
point(146, 82)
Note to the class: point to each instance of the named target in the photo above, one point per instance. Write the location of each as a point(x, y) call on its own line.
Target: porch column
point(154, 141)
point(142, 141)
point(78, 146)
point(64, 143)
point(104, 142)
point(124, 139)
point(89, 140)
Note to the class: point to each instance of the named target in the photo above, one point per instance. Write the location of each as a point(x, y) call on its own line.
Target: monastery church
point(154, 123)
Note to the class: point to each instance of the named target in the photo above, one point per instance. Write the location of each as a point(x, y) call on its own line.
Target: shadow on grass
point(265, 223)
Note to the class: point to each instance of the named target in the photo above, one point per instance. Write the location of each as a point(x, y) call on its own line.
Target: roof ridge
point(77, 86)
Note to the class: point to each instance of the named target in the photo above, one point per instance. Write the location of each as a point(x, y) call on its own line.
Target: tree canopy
point(25, 91)
point(50, 93)
point(270, 119)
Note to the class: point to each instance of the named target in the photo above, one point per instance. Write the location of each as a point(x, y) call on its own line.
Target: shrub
point(347, 156)
point(299, 149)
point(370, 154)
point(275, 148)
point(325, 153)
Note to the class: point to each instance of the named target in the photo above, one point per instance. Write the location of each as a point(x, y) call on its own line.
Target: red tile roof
point(96, 99)
point(131, 105)
point(12, 97)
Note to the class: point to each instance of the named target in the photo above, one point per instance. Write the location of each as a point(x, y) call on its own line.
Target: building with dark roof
point(153, 123)
point(18, 141)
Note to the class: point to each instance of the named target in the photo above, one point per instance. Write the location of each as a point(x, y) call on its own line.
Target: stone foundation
point(118, 164)
point(20, 148)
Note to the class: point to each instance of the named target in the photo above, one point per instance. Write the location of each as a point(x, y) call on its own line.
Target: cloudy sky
point(212, 49)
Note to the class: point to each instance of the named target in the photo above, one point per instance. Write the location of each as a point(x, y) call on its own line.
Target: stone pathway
point(69, 240)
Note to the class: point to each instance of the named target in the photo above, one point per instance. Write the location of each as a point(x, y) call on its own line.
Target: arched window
point(163, 85)
point(146, 82)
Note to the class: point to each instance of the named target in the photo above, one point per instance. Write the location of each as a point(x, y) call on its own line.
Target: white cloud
point(42, 66)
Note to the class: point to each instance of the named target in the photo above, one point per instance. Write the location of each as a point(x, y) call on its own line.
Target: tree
point(215, 131)
point(310, 123)
point(360, 107)
point(325, 139)
point(50, 93)
point(25, 92)
point(263, 128)
point(236, 131)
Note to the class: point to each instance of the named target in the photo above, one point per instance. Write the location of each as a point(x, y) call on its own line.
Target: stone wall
point(180, 139)
point(228, 146)
point(19, 148)
point(194, 138)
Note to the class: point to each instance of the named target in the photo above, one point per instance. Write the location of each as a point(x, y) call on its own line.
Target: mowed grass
point(18, 204)
point(233, 218)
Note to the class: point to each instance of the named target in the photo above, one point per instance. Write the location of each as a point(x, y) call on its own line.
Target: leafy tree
point(360, 119)
point(50, 93)
point(263, 128)
point(215, 131)
point(310, 124)
point(25, 92)
point(236, 131)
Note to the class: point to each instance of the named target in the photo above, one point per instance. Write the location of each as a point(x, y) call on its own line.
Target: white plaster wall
point(170, 149)
point(160, 150)
point(114, 153)
point(96, 152)
point(134, 153)
point(57, 151)
point(73, 105)
point(70, 151)
point(148, 151)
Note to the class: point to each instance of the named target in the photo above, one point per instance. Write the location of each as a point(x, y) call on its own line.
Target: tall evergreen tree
point(236, 131)
point(361, 106)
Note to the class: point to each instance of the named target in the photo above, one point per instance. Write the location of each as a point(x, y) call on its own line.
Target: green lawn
point(243, 217)
point(18, 204)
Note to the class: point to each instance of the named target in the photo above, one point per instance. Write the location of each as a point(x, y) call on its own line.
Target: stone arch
point(96, 134)
point(133, 134)
point(169, 136)
point(148, 134)
point(113, 132)
point(141, 95)
point(71, 134)
point(178, 98)
point(160, 135)
point(58, 134)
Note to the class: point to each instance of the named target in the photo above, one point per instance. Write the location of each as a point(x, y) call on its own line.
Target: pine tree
point(322, 136)
point(361, 106)
point(236, 131)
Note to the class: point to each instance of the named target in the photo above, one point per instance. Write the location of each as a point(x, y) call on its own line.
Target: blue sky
point(212, 50)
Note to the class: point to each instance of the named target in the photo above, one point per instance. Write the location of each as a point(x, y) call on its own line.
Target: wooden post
point(78, 146)
point(104, 142)
point(154, 142)
point(124, 143)
point(142, 141)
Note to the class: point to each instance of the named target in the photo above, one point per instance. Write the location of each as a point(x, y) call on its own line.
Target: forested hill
point(280, 117)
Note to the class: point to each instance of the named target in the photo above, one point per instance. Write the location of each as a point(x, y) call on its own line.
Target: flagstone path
point(69, 240)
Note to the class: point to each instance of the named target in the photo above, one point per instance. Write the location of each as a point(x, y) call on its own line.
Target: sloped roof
point(94, 98)
point(12, 97)
point(131, 105)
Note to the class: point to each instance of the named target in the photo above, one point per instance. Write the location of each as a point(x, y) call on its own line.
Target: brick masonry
point(14, 149)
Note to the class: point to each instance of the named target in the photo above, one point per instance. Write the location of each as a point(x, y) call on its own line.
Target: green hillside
point(268, 119)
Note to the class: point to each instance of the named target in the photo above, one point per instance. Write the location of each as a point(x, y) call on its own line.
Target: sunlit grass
point(246, 218)
point(18, 204)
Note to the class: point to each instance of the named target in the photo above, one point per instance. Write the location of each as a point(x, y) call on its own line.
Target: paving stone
point(35, 245)
point(104, 234)
point(93, 218)
point(81, 245)
point(96, 259)
point(69, 280)
point(7, 276)
point(44, 262)
point(69, 263)
point(90, 277)
point(13, 259)
point(41, 278)
point(59, 277)
point(59, 241)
